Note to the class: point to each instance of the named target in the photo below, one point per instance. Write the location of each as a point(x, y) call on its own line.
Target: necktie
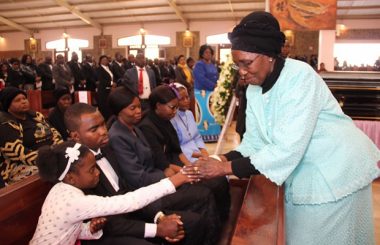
point(141, 87)
point(98, 156)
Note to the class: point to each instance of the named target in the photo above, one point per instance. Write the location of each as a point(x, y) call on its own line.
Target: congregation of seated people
point(140, 95)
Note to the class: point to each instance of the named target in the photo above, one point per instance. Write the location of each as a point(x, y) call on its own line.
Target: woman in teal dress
point(298, 136)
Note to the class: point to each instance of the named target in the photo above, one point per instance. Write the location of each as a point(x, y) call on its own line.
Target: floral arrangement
point(222, 96)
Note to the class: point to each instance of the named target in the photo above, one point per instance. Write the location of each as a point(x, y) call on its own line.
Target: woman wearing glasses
point(298, 136)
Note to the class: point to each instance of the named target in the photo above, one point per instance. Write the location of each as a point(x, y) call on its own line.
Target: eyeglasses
point(244, 64)
point(172, 107)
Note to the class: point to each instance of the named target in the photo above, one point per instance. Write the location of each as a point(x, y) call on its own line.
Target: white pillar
point(326, 48)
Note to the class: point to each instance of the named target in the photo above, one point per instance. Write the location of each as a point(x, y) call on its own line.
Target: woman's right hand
point(210, 167)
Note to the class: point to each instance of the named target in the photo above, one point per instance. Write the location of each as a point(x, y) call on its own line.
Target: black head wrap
point(59, 92)
point(258, 32)
point(7, 96)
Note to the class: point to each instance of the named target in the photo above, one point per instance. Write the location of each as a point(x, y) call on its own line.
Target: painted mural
point(305, 14)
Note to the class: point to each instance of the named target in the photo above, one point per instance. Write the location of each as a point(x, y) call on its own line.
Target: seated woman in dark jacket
point(164, 142)
point(138, 169)
point(64, 100)
point(22, 132)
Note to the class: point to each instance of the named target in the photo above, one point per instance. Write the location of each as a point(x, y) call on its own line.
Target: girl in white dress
point(72, 167)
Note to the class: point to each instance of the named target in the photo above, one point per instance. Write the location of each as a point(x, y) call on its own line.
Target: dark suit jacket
point(15, 78)
point(104, 88)
point(63, 77)
point(117, 70)
point(89, 73)
point(139, 171)
point(181, 78)
point(46, 74)
point(132, 78)
point(104, 79)
point(131, 224)
point(163, 140)
point(76, 70)
point(157, 74)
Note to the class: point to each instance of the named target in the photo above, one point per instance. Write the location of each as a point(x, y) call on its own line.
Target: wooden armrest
point(261, 219)
point(20, 207)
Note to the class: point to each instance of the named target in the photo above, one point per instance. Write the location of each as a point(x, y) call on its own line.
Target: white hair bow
point(72, 153)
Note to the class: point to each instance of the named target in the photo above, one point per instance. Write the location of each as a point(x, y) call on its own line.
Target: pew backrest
point(261, 219)
point(20, 207)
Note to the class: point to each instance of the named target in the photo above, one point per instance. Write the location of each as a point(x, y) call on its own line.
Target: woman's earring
point(270, 59)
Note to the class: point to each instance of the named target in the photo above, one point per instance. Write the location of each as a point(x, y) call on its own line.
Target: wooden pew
point(42, 101)
point(256, 215)
point(238, 188)
point(20, 207)
point(261, 218)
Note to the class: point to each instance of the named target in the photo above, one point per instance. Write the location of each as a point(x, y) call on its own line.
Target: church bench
point(237, 191)
point(42, 101)
point(261, 219)
point(256, 215)
point(20, 207)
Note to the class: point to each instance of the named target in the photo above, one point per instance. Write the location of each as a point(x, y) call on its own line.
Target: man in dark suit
point(15, 76)
point(89, 73)
point(156, 69)
point(87, 126)
point(45, 71)
point(130, 63)
point(117, 67)
point(142, 79)
point(62, 74)
point(76, 70)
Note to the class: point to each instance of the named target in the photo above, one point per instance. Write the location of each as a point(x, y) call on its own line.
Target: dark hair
point(51, 160)
point(120, 98)
point(24, 58)
point(189, 59)
point(161, 94)
point(73, 114)
point(203, 48)
point(179, 57)
point(59, 92)
point(101, 57)
point(14, 60)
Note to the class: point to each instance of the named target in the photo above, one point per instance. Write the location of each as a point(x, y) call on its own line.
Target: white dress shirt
point(109, 72)
point(146, 83)
point(109, 172)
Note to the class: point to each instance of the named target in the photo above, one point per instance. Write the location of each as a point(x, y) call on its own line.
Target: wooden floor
point(232, 140)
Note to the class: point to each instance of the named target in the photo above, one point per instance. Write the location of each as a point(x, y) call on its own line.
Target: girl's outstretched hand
point(97, 224)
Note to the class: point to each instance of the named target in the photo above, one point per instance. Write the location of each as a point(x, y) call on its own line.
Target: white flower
point(72, 153)
point(223, 91)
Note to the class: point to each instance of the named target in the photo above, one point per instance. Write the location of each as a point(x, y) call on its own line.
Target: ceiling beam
point(15, 25)
point(178, 12)
point(78, 13)
point(232, 10)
